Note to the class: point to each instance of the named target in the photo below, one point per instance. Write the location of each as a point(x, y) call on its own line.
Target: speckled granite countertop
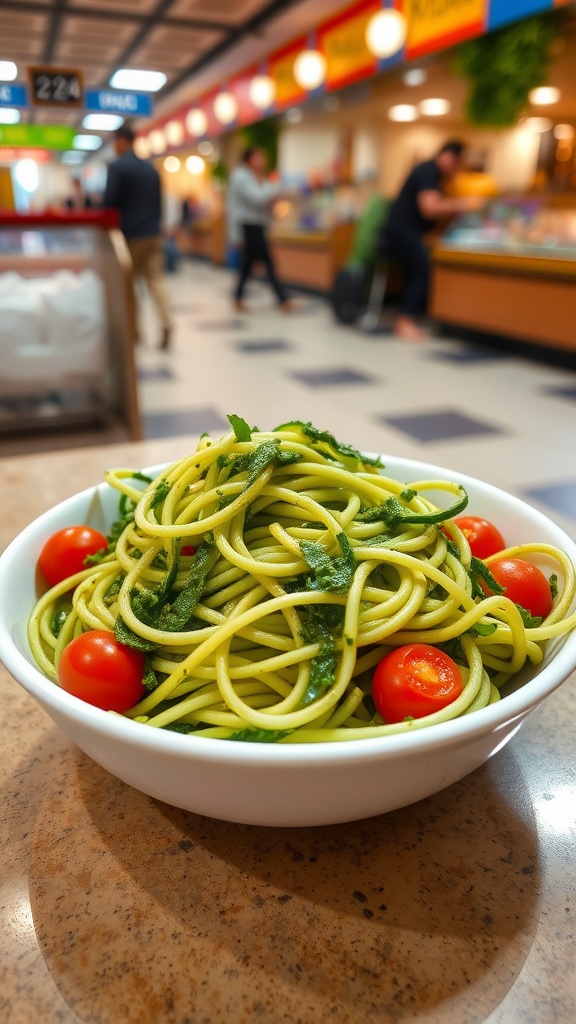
point(120, 910)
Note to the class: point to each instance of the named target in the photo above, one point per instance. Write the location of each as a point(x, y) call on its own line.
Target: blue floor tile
point(264, 346)
point(440, 425)
point(183, 421)
point(331, 378)
point(560, 497)
point(469, 354)
point(155, 373)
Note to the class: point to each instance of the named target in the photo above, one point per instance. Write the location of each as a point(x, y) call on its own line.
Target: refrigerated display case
point(509, 269)
point(67, 325)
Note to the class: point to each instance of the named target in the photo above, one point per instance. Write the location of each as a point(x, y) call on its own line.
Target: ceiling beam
point(127, 17)
point(53, 31)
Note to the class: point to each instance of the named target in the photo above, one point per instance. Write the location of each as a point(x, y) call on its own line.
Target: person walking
point(250, 198)
point(133, 188)
point(420, 203)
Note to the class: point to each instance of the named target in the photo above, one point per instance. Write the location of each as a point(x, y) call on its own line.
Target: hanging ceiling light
point(195, 164)
point(403, 112)
point(386, 33)
point(157, 141)
point(9, 115)
point(225, 107)
point(8, 71)
point(544, 95)
point(142, 147)
point(171, 164)
point(174, 133)
point(102, 122)
point(310, 69)
point(140, 81)
point(88, 142)
point(262, 91)
point(196, 122)
point(434, 107)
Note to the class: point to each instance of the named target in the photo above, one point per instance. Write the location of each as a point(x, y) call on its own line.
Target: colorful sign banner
point(43, 136)
point(280, 69)
point(342, 40)
point(435, 24)
point(131, 104)
point(9, 155)
point(13, 95)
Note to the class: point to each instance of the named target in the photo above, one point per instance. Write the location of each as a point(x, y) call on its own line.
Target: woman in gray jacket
point(250, 198)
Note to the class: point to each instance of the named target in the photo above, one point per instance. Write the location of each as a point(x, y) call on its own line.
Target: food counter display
point(311, 259)
point(509, 269)
point(67, 326)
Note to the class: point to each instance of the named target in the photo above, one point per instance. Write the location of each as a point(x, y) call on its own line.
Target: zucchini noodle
point(267, 574)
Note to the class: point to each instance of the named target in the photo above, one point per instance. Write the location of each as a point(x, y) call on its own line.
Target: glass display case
point(509, 270)
point(66, 325)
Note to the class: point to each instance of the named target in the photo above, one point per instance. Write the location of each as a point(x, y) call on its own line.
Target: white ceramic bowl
point(270, 784)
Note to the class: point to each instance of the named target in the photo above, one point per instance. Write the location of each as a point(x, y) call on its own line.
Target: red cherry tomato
point(483, 537)
point(101, 671)
point(415, 681)
point(64, 552)
point(524, 584)
point(188, 550)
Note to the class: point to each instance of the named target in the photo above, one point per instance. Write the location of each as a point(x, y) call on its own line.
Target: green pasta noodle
point(310, 565)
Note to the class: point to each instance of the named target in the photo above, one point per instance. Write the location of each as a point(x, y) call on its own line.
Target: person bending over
point(250, 198)
point(420, 203)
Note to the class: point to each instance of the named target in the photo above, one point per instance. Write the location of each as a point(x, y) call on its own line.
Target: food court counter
point(121, 910)
point(309, 258)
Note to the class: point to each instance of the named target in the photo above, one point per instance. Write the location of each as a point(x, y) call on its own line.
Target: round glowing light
point(225, 107)
point(403, 112)
point(310, 69)
point(537, 124)
point(142, 147)
point(157, 141)
point(414, 76)
point(294, 115)
point(174, 133)
point(195, 164)
point(9, 115)
point(8, 71)
point(564, 131)
point(196, 122)
point(26, 174)
point(386, 33)
point(262, 91)
point(544, 96)
point(205, 148)
point(171, 164)
point(434, 107)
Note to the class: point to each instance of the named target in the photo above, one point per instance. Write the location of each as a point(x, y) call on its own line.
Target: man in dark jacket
point(133, 188)
point(420, 203)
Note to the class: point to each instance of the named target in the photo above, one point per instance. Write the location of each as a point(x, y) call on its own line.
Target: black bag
point(349, 293)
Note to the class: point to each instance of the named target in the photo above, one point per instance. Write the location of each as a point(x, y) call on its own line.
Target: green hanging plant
point(503, 67)
point(219, 172)
point(263, 135)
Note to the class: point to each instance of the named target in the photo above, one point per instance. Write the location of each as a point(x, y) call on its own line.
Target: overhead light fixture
point(294, 115)
point(142, 147)
point(403, 112)
point(544, 95)
point(434, 107)
point(157, 141)
point(386, 33)
point(205, 148)
point(414, 76)
point(102, 122)
point(539, 125)
point(9, 115)
point(310, 69)
point(140, 81)
point(196, 122)
point(225, 107)
point(8, 71)
point(171, 164)
point(564, 131)
point(174, 131)
point(72, 156)
point(26, 174)
point(88, 142)
point(262, 91)
point(195, 164)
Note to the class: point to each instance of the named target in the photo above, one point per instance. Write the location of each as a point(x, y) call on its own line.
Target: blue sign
point(501, 12)
point(130, 104)
point(13, 95)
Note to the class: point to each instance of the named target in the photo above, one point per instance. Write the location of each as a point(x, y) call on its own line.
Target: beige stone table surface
point(117, 908)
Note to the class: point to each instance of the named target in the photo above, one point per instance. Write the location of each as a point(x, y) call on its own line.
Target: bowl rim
point(459, 731)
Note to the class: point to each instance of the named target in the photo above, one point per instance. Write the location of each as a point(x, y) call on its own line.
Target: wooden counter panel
point(514, 263)
point(542, 311)
point(300, 264)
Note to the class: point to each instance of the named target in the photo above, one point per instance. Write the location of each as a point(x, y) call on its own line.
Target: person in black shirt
point(419, 204)
point(133, 188)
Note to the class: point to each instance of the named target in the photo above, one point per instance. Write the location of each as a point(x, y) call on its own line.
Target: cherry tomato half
point(415, 681)
point(525, 584)
point(64, 552)
point(188, 550)
point(101, 671)
point(483, 537)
